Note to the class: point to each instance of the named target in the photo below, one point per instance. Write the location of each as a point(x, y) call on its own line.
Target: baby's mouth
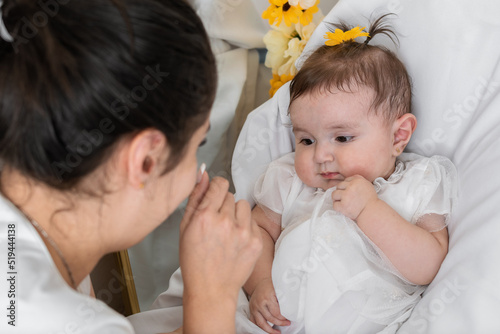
point(329, 175)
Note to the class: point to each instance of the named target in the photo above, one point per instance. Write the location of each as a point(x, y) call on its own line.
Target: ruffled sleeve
point(273, 187)
point(420, 186)
point(437, 190)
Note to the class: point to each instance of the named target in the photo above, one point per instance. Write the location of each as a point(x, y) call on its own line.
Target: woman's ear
point(146, 153)
point(403, 129)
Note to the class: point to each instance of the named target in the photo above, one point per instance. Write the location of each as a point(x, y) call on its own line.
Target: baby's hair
point(94, 72)
point(352, 64)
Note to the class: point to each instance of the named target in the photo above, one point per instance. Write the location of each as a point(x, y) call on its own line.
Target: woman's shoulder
point(40, 300)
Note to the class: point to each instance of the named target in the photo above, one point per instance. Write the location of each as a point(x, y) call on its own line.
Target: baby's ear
point(403, 128)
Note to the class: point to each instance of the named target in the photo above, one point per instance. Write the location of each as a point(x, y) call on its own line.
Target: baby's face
point(338, 136)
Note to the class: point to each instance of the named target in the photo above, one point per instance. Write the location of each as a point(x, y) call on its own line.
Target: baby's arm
point(414, 251)
point(259, 286)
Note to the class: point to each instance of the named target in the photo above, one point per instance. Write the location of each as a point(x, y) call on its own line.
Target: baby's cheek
point(299, 168)
point(304, 172)
point(357, 169)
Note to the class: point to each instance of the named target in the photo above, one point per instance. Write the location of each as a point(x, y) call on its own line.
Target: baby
point(353, 227)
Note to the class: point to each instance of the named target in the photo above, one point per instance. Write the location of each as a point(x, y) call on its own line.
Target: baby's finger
point(276, 317)
point(337, 206)
point(343, 185)
point(274, 320)
point(262, 323)
point(337, 195)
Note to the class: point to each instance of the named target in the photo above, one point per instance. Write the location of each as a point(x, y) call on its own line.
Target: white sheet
point(451, 53)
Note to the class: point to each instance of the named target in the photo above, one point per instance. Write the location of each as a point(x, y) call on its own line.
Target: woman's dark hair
point(80, 75)
point(352, 64)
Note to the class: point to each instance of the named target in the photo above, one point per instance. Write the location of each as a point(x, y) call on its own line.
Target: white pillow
point(451, 51)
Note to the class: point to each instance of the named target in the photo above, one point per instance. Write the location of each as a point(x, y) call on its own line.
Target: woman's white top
point(328, 276)
point(34, 298)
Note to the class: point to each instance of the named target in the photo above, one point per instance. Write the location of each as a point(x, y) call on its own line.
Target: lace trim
point(380, 181)
point(394, 178)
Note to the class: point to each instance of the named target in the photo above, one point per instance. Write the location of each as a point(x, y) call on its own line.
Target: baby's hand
point(264, 307)
point(353, 195)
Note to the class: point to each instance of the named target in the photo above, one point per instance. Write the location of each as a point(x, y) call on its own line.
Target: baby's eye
point(306, 141)
point(344, 139)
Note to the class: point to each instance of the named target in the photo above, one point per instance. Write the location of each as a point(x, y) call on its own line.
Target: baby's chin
point(324, 185)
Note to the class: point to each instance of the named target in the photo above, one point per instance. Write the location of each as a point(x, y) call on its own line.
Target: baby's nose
point(323, 153)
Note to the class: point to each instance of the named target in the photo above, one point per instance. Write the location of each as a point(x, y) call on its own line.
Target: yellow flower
point(277, 81)
point(285, 44)
point(295, 48)
point(276, 43)
point(286, 40)
point(291, 14)
point(340, 36)
point(273, 12)
point(304, 4)
point(305, 32)
point(281, 10)
point(307, 14)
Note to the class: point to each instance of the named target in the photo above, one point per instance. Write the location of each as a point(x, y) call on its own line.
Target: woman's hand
point(264, 307)
point(219, 245)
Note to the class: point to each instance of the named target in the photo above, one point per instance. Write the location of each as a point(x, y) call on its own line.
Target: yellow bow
point(339, 36)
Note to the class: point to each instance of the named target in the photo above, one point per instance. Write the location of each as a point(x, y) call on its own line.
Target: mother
point(103, 104)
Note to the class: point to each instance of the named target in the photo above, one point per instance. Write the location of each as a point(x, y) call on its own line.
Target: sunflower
point(272, 12)
point(277, 81)
point(281, 10)
point(340, 36)
point(307, 14)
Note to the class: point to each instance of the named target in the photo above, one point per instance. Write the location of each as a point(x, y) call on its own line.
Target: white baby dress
point(328, 276)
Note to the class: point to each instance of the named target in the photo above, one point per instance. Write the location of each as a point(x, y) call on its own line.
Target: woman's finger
point(215, 195)
point(195, 199)
point(243, 213)
point(253, 237)
point(228, 207)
